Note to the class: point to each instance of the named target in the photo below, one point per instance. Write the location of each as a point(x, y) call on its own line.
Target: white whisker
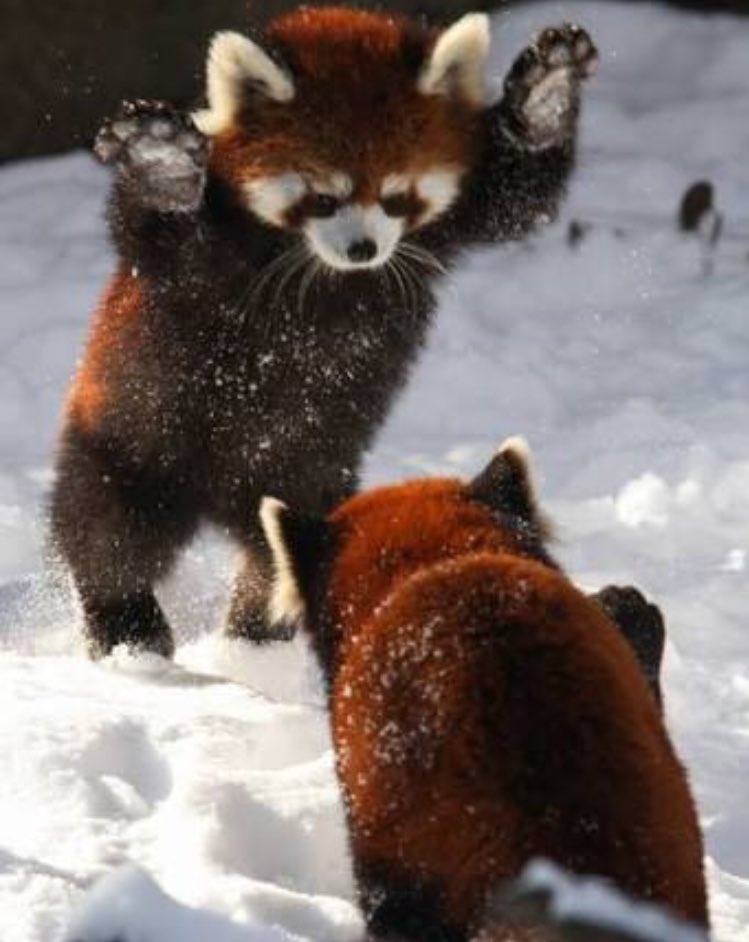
point(419, 254)
point(266, 276)
point(413, 280)
point(306, 280)
point(297, 265)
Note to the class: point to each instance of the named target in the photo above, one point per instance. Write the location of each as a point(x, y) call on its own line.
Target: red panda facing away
point(484, 711)
point(276, 259)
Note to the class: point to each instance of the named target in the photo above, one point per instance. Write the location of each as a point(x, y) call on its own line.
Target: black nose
point(362, 251)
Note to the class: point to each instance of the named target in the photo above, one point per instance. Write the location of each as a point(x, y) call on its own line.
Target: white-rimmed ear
point(518, 447)
point(285, 603)
point(298, 544)
point(236, 67)
point(506, 485)
point(456, 64)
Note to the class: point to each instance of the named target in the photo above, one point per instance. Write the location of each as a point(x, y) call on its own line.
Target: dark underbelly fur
point(280, 405)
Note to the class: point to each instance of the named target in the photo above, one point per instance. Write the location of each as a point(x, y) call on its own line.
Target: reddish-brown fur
point(378, 55)
point(117, 315)
point(485, 712)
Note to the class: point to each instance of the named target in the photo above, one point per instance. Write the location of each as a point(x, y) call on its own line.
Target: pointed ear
point(506, 486)
point(297, 544)
point(456, 64)
point(236, 68)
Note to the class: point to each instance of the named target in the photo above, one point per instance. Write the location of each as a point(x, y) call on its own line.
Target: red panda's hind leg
point(118, 532)
point(135, 620)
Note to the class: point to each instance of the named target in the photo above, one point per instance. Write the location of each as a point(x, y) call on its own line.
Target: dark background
point(65, 64)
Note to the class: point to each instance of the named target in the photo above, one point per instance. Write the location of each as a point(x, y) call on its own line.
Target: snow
point(623, 361)
point(130, 903)
point(581, 904)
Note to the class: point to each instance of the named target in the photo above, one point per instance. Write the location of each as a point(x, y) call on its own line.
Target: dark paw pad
point(642, 625)
point(160, 151)
point(542, 89)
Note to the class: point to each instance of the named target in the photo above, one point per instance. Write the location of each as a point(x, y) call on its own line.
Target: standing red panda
point(276, 258)
point(484, 711)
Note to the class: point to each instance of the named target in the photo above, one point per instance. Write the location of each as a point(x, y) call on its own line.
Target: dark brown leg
point(119, 531)
point(134, 619)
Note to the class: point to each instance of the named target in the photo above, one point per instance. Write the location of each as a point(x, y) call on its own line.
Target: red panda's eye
point(321, 205)
point(399, 204)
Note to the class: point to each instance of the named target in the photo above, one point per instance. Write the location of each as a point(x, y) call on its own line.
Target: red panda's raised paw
point(542, 89)
point(160, 153)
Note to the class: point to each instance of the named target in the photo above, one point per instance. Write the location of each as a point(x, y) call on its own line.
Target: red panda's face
point(342, 227)
point(358, 131)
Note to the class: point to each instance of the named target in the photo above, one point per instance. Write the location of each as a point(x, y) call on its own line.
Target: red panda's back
point(489, 713)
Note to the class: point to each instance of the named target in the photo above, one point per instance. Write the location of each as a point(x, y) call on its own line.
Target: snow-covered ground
point(626, 365)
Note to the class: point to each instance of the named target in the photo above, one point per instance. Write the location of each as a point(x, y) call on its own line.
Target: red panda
point(484, 712)
point(276, 261)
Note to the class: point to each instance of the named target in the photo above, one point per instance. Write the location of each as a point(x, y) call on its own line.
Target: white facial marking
point(337, 184)
point(456, 65)
point(394, 184)
point(235, 64)
point(285, 603)
point(272, 197)
point(355, 236)
point(346, 239)
point(437, 189)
